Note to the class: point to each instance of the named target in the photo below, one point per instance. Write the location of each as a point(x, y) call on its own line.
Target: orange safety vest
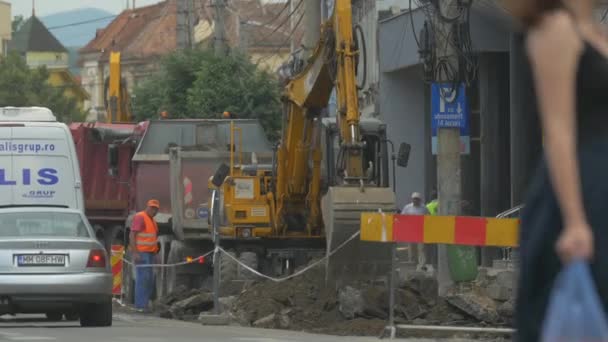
point(146, 241)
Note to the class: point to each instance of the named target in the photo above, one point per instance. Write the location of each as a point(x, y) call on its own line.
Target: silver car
point(50, 262)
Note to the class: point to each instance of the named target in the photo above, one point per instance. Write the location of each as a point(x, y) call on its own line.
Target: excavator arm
point(299, 208)
point(116, 94)
point(299, 156)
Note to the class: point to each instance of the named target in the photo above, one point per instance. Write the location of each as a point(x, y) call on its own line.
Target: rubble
point(475, 304)
point(423, 284)
point(266, 322)
point(206, 318)
point(351, 302)
point(507, 279)
point(498, 292)
point(507, 309)
point(304, 303)
point(189, 307)
point(226, 303)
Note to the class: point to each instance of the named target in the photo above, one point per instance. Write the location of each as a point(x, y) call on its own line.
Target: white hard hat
point(416, 195)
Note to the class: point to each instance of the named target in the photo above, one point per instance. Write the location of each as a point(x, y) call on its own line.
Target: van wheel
point(72, 316)
point(54, 316)
point(96, 315)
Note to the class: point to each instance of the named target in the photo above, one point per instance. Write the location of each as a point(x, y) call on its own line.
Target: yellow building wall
point(49, 59)
point(5, 25)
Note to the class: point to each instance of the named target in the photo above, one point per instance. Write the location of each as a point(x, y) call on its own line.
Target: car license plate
point(41, 260)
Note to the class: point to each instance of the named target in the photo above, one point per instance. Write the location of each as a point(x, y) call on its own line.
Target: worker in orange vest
point(144, 246)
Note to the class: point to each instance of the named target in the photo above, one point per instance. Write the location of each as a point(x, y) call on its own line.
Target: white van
point(38, 161)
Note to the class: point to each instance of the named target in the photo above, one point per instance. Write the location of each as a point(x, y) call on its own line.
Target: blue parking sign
point(450, 108)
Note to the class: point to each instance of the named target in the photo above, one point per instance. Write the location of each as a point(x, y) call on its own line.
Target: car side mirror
point(112, 159)
point(403, 156)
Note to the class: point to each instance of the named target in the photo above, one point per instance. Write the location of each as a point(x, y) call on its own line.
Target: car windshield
point(34, 224)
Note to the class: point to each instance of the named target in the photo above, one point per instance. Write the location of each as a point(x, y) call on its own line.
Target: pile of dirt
point(184, 303)
point(304, 303)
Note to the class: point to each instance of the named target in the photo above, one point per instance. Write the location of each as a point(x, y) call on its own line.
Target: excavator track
point(356, 261)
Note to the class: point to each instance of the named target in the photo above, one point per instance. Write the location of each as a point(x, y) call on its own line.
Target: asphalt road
point(136, 328)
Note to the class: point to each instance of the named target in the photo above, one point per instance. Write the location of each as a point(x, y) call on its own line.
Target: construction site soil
point(304, 303)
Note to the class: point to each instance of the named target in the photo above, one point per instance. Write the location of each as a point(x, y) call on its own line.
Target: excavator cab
point(375, 156)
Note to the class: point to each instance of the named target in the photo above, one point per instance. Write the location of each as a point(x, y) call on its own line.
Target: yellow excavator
point(325, 172)
point(116, 94)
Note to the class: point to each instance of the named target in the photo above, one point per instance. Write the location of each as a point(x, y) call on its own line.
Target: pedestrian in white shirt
point(416, 207)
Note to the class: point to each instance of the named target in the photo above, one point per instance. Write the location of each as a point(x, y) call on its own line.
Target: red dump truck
point(124, 165)
point(107, 190)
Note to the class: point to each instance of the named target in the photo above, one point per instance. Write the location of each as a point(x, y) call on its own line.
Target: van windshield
point(42, 224)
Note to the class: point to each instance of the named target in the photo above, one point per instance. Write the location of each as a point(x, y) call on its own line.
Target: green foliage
point(18, 20)
point(196, 84)
point(23, 87)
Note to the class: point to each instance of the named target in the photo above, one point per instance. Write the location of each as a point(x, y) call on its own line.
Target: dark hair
point(529, 12)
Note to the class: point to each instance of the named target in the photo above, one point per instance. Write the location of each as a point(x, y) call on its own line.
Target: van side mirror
point(112, 159)
point(403, 156)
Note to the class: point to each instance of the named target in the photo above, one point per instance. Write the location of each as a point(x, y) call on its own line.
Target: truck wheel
point(97, 315)
point(250, 259)
point(174, 278)
point(228, 268)
point(161, 274)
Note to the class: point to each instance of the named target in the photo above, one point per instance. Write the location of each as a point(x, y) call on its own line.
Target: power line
point(81, 22)
point(275, 18)
point(282, 45)
point(281, 24)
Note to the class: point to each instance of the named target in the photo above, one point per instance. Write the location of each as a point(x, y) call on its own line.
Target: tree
point(21, 86)
point(18, 20)
point(196, 84)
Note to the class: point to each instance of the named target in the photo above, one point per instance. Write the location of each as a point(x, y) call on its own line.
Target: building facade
point(40, 48)
point(5, 26)
point(143, 35)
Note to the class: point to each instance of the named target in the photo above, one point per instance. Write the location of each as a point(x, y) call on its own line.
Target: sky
point(46, 7)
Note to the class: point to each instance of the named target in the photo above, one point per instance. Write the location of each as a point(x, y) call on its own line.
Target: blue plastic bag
point(575, 312)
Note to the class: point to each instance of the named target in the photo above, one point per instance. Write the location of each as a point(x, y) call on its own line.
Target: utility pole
point(448, 149)
point(312, 23)
point(191, 13)
point(182, 24)
point(292, 46)
point(219, 44)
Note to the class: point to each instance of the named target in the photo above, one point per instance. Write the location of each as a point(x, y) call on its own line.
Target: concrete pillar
point(526, 141)
point(495, 173)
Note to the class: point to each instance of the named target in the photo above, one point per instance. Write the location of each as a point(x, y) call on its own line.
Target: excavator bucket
point(357, 260)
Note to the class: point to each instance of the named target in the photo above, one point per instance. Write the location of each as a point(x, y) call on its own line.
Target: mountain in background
point(77, 35)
